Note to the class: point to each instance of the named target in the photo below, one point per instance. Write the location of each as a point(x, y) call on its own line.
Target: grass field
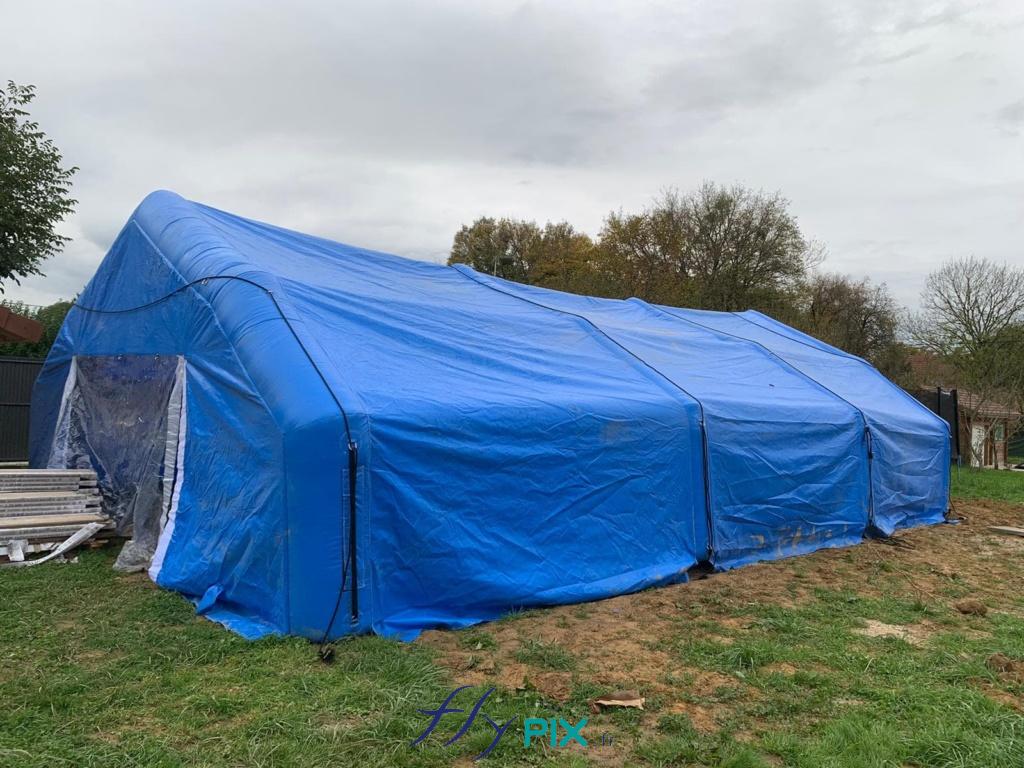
point(1001, 485)
point(853, 657)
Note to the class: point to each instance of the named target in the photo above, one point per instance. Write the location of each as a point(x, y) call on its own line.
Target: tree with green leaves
point(501, 247)
point(563, 258)
point(35, 188)
point(719, 247)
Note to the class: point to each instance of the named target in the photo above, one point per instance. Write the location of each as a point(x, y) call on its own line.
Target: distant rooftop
point(15, 327)
point(930, 372)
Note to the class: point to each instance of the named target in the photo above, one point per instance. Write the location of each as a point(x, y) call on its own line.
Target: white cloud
point(891, 126)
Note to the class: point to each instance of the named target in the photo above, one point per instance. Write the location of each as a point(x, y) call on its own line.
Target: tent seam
point(595, 327)
point(846, 355)
point(808, 377)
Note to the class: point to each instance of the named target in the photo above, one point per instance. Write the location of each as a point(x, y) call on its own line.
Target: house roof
point(970, 402)
point(14, 327)
point(930, 372)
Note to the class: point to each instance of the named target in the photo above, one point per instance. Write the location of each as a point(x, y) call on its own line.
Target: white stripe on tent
point(167, 526)
point(59, 447)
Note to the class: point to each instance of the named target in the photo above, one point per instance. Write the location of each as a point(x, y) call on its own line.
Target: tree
point(563, 258)
point(641, 254)
point(557, 256)
point(34, 188)
point(501, 247)
point(51, 317)
point(972, 312)
point(857, 316)
point(967, 304)
point(725, 248)
point(1011, 342)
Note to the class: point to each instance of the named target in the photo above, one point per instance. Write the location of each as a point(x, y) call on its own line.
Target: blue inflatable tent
point(314, 439)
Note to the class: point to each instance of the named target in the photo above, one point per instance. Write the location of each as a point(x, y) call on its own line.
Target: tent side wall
point(786, 459)
point(254, 528)
point(316, 421)
point(909, 444)
point(506, 511)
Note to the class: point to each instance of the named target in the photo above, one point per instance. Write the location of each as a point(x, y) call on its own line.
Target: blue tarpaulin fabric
point(371, 443)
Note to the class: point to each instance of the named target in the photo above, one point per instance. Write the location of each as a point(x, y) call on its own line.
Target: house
point(985, 424)
point(988, 425)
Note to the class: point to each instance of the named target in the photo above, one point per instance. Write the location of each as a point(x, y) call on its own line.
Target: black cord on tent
point(326, 651)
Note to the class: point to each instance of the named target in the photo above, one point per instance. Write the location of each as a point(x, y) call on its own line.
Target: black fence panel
point(944, 402)
point(1016, 448)
point(17, 376)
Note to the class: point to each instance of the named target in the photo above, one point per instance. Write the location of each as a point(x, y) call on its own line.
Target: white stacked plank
point(15, 480)
point(27, 548)
point(34, 521)
point(34, 503)
point(46, 506)
point(49, 532)
point(57, 485)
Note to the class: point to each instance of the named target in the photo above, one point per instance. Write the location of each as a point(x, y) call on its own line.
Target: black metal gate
point(17, 376)
point(946, 404)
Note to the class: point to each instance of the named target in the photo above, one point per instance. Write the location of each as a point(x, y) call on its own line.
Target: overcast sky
point(896, 129)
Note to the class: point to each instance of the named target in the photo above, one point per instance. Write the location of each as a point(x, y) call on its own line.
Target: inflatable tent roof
point(316, 439)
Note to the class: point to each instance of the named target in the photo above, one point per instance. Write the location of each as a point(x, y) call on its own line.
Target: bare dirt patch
point(628, 641)
point(914, 635)
point(702, 717)
point(971, 607)
point(1006, 667)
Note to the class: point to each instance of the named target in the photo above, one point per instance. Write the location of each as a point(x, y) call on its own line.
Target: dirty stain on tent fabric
point(349, 441)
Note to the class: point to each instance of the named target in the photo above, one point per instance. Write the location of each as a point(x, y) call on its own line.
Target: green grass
point(545, 655)
point(476, 639)
point(100, 669)
point(998, 484)
point(814, 692)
